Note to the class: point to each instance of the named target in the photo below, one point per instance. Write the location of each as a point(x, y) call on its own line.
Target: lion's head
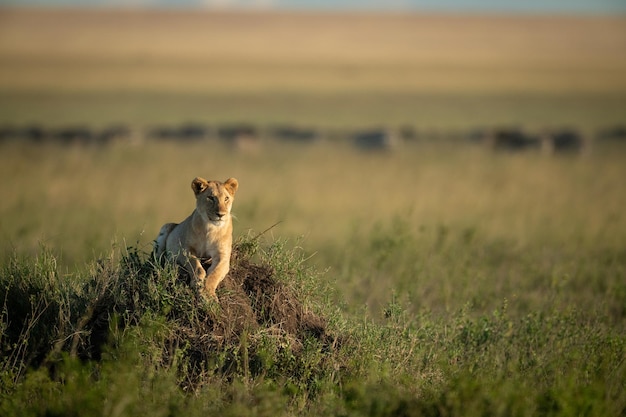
point(214, 199)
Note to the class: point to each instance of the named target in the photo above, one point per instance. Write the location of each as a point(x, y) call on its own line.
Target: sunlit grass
point(80, 199)
point(452, 277)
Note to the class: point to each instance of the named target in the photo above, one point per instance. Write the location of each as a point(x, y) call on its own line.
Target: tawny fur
point(206, 234)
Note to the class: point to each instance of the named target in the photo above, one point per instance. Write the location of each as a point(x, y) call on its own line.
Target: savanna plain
point(438, 277)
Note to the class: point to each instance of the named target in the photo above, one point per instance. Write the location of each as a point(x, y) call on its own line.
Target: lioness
point(206, 233)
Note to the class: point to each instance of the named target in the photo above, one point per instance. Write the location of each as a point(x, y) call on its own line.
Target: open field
point(437, 278)
point(204, 52)
point(453, 281)
point(145, 67)
point(79, 200)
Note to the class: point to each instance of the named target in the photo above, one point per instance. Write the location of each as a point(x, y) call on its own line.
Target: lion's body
point(206, 234)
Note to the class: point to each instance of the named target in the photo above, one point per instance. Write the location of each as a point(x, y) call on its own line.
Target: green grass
point(447, 281)
point(57, 195)
point(557, 360)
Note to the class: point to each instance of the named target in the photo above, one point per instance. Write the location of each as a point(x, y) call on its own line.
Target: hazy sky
point(532, 6)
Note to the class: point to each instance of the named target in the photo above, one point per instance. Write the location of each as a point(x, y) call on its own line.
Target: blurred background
point(348, 119)
point(323, 64)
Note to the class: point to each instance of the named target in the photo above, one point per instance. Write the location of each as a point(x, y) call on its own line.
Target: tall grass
point(327, 193)
point(130, 311)
point(446, 281)
point(152, 360)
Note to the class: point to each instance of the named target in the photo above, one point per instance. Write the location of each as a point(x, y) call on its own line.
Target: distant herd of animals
point(247, 137)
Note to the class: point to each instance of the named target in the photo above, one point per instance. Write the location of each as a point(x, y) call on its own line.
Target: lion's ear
point(231, 185)
point(198, 185)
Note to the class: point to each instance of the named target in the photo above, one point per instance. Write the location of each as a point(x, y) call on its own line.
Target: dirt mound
point(266, 301)
point(256, 314)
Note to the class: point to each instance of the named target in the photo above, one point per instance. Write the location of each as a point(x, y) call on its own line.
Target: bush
point(135, 308)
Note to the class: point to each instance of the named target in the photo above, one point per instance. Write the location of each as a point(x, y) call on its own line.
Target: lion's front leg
point(215, 274)
point(199, 274)
point(193, 265)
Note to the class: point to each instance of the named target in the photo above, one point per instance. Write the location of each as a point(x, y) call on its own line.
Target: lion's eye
point(226, 199)
point(211, 198)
